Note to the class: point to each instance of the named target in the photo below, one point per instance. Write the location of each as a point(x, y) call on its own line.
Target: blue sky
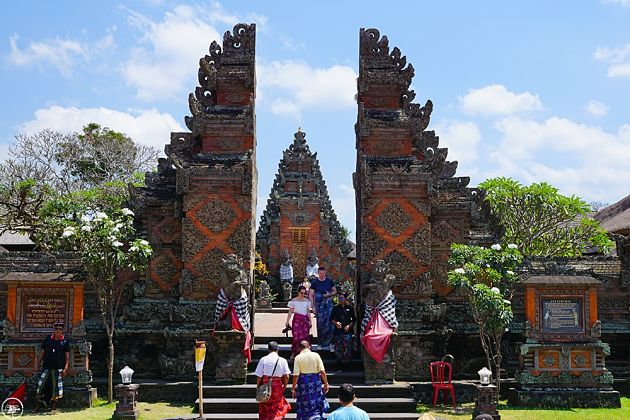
point(534, 90)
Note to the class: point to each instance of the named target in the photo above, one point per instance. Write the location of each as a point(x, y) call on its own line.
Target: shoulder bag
point(263, 392)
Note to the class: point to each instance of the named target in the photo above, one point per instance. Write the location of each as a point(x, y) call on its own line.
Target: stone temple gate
point(200, 206)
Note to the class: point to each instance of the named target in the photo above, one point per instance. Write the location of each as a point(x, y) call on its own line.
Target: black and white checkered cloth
point(386, 307)
point(240, 305)
point(286, 273)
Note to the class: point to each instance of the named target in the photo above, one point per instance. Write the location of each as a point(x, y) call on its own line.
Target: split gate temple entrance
point(198, 209)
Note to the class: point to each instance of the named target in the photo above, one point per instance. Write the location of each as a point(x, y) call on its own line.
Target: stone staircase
point(393, 401)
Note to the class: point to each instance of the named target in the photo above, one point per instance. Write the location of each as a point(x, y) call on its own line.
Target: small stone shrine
point(563, 358)
point(299, 217)
point(35, 301)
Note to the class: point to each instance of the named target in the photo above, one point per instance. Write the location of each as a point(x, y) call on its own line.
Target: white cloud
point(618, 59)
point(169, 55)
point(596, 108)
point(625, 3)
point(149, 126)
point(295, 86)
point(497, 100)
point(577, 158)
point(461, 138)
point(165, 63)
point(62, 54)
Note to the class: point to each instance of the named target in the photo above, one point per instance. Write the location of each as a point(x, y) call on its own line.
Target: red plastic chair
point(441, 373)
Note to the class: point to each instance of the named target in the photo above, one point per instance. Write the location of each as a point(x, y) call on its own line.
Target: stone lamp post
point(127, 394)
point(487, 397)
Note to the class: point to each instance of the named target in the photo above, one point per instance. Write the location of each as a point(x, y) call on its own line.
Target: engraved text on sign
point(41, 312)
point(561, 315)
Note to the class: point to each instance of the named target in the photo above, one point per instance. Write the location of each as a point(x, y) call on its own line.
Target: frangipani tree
point(108, 247)
point(487, 277)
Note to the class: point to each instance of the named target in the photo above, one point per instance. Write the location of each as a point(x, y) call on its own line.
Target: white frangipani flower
point(143, 242)
point(86, 228)
point(460, 271)
point(496, 247)
point(117, 244)
point(127, 212)
point(495, 290)
point(67, 233)
point(133, 248)
point(512, 246)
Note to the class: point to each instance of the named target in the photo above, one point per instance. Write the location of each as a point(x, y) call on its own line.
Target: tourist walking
point(309, 376)
point(322, 290)
point(300, 310)
point(55, 355)
point(273, 368)
point(343, 319)
point(348, 411)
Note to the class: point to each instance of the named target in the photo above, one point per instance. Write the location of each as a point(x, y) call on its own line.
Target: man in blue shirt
point(320, 295)
point(347, 411)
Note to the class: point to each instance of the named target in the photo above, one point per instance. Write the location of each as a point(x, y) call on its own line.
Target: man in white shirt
point(273, 368)
point(267, 363)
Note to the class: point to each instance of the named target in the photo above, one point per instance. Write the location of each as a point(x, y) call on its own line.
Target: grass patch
point(464, 411)
point(102, 410)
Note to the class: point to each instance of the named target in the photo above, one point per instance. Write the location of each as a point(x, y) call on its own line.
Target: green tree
point(109, 249)
point(541, 221)
point(487, 276)
point(50, 166)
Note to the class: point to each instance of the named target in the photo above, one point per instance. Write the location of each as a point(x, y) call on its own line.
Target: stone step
point(250, 405)
point(362, 391)
point(331, 366)
point(247, 416)
point(333, 377)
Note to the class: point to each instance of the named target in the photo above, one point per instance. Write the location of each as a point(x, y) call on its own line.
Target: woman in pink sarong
point(300, 309)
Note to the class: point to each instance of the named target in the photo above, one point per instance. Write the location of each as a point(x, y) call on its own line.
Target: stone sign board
point(562, 315)
point(563, 358)
point(561, 308)
point(35, 301)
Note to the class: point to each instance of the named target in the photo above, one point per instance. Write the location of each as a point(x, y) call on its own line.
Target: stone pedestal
point(379, 373)
point(263, 303)
point(486, 402)
point(126, 409)
point(231, 363)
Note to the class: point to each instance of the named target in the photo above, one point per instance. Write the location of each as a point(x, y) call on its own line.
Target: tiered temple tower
point(199, 207)
point(410, 206)
point(299, 217)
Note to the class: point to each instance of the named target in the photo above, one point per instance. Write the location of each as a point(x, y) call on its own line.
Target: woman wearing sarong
point(322, 290)
point(343, 319)
point(273, 368)
point(309, 384)
point(300, 309)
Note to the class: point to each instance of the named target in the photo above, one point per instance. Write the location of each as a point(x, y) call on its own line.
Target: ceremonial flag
point(200, 355)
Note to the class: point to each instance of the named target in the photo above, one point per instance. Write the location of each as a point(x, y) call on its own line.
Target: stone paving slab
point(271, 324)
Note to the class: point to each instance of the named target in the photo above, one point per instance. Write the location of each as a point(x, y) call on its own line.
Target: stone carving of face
point(312, 258)
point(234, 278)
point(380, 283)
point(286, 257)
